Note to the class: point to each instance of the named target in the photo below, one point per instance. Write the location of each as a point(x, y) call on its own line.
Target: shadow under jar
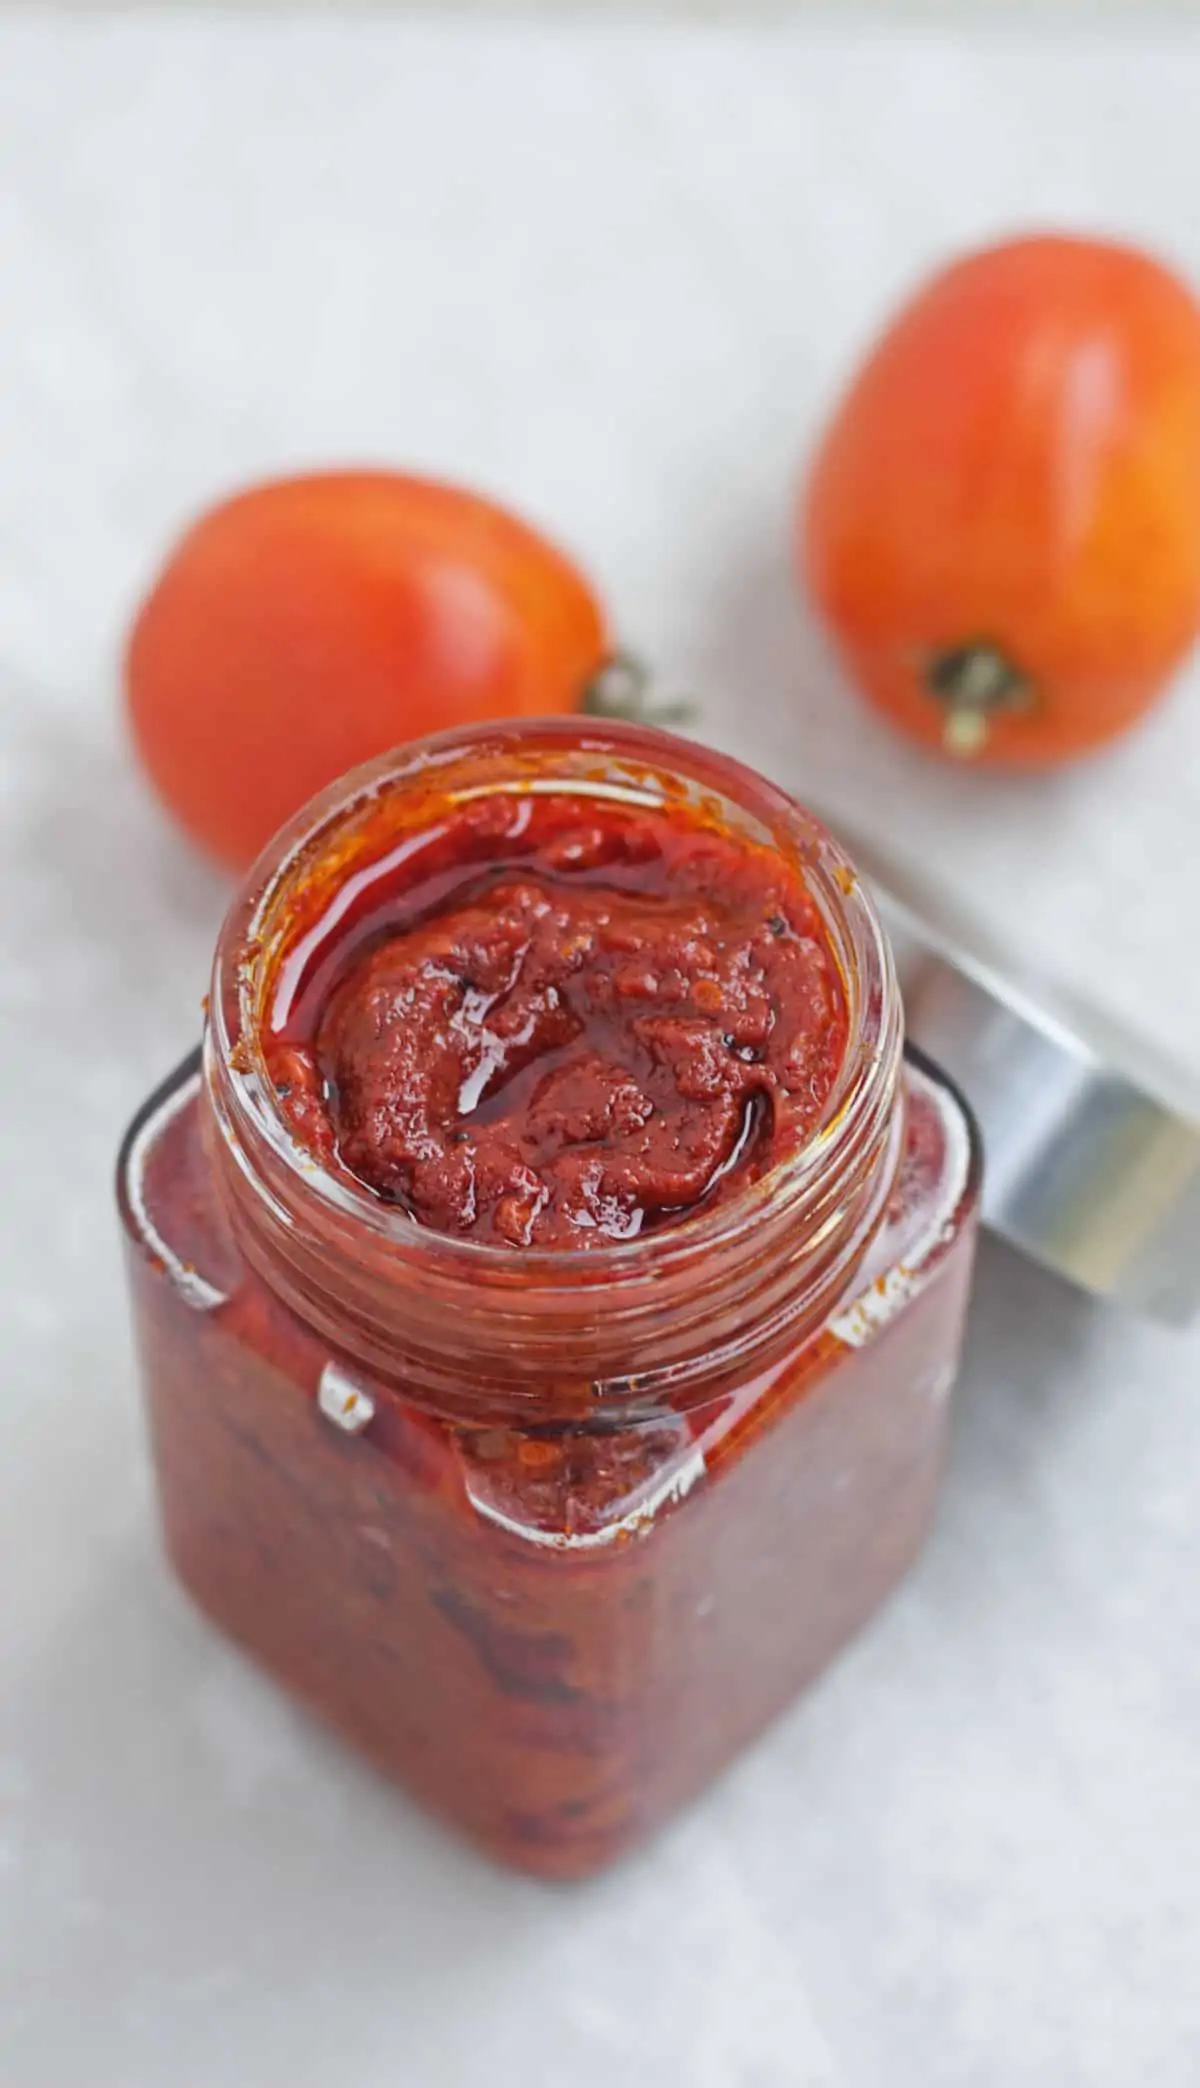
point(549, 1520)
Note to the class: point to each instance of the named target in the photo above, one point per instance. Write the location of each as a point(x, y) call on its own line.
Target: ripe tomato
point(310, 623)
point(1002, 525)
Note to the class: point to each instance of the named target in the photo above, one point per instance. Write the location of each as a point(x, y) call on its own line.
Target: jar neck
point(487, 1334)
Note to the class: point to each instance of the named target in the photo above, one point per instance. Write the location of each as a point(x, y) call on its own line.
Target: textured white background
point(614, 275)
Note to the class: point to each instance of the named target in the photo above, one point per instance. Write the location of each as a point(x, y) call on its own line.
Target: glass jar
point(549, 1535)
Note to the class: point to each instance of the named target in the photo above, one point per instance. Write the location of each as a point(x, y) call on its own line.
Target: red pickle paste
point(578, 1022)
point(550, 1283)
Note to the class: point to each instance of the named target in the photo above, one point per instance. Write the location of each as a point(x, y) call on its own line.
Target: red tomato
point(1002, 526)
point(311, 623)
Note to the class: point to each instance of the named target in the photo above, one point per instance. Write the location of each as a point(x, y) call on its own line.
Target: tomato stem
point(623, 687)
point(974, 683)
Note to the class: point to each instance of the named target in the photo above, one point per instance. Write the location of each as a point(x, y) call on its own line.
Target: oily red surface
point(565, 1022)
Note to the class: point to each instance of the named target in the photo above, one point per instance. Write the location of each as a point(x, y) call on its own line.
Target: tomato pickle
point(549, 1278)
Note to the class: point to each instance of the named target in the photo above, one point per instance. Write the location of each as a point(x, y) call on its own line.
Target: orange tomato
point(313, 622)
point(1002, 524)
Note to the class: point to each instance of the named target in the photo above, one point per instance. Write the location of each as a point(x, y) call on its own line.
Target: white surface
point(613, 275)
point(871, 12)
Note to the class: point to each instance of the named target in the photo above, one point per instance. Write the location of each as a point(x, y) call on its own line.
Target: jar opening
point(771, 1246)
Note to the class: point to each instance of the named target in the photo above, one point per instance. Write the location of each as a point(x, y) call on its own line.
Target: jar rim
point(661, 1317)
point(864, 960)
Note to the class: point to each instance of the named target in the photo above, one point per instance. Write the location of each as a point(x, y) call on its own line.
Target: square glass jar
point(549, 1536)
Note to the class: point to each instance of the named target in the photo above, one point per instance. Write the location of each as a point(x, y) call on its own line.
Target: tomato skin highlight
point(1001, 527)
point(309, 623)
